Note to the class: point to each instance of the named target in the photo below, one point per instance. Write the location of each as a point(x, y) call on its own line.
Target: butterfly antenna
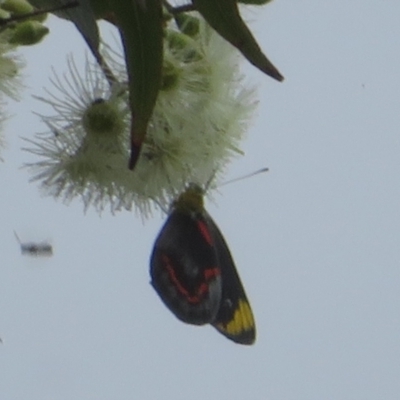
point(18, 239)
point(260, 171)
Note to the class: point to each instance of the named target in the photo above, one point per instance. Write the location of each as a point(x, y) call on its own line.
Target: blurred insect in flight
point(41, 249)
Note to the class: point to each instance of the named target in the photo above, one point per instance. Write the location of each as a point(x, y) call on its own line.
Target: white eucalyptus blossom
point(85, 145)
point(200, 117)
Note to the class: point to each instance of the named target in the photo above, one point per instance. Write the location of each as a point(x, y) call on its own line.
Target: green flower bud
point(103, 118)
point(183, 46)
point(4, 14)
point(17, 7)
point(187, 24)
point(28, 33)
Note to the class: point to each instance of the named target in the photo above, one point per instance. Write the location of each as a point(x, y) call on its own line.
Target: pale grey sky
point(316, 240)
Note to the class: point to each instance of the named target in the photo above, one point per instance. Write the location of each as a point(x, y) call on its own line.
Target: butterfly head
point(190, 200)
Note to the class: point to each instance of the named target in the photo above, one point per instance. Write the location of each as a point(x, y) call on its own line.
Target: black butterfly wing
point(184, 268)
point(235, 318)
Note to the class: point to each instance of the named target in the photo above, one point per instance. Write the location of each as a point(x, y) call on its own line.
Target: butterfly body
point(193, 271)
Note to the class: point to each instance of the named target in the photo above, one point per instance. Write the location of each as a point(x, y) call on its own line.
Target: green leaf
point(224, 17)
point(82, 16)
point(141, 26)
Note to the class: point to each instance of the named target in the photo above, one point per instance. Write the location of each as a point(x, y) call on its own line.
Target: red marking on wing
point(205, 232)
point(209, 275)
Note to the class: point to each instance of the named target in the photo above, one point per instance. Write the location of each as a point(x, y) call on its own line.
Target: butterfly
point(193, 271)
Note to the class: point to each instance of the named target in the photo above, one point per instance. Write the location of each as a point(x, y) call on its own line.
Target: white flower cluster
point(200, 117)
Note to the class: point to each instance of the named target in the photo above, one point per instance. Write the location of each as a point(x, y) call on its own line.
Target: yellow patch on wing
point(241, 328)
